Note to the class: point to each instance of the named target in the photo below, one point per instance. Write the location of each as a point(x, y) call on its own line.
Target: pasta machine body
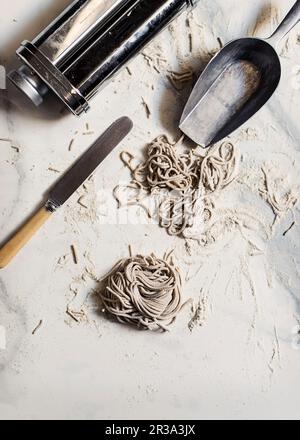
point(87, 44)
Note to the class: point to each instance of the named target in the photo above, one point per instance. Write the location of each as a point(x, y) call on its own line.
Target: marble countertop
point(243, 360)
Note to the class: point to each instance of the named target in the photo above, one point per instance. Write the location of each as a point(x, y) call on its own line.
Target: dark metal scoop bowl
point(236, 83)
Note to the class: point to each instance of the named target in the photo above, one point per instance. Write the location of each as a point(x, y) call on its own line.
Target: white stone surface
point(244, 360)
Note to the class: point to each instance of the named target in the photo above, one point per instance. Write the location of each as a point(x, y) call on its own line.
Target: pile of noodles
point(184, 177)
point(144, 291)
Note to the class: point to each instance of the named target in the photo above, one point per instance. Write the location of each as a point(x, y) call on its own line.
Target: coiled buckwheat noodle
point(165, 168)
point(144, 291)
point(218, 167)
point(186, 176)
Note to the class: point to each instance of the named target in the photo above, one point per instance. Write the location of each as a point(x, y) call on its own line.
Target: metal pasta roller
point(87, 44)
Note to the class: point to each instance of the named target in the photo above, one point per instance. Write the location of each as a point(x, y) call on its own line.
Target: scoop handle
point(286, 25)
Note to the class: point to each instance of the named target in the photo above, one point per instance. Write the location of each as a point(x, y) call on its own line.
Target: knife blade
point(67, 185)
point(87, 164)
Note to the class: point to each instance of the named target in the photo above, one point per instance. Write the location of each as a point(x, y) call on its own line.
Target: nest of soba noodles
point(144, 291)
point(179, 181)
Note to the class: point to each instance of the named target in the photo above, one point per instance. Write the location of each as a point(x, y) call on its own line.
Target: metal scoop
point(236, 83)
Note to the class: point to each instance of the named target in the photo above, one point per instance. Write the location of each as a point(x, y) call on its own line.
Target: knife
point(66, 186)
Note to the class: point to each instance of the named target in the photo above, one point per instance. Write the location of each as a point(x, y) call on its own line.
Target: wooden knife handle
point(22, 236)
